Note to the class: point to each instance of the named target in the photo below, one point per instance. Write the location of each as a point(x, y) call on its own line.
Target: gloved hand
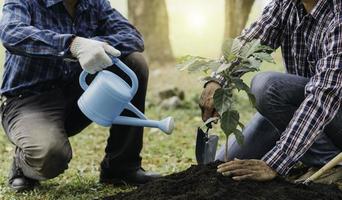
point(92, 54)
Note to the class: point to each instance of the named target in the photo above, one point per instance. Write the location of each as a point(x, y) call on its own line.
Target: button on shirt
point(311, 45)
point(37, 35)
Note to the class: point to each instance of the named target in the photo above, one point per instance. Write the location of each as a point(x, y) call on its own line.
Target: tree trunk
point(237, 12)
point(151, 19)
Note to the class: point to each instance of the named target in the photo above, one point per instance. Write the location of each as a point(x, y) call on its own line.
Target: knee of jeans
point(49, 159)
point(261, 85)
point(138, 62)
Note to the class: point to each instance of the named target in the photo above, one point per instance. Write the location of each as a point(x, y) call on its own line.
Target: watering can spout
point(166, 125)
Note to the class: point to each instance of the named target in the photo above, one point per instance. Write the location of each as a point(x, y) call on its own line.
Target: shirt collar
point(84, 4)
point(317, 12)
point(50, 3)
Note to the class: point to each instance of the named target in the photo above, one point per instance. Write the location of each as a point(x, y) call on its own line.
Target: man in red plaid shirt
point(298, 115)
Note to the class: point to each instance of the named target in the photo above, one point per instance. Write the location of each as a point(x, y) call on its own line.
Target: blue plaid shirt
point(37, 35)
point(311, 44)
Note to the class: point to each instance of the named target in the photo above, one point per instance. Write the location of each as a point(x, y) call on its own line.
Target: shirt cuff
point(65, 43)
point(216, 78)
point(279, 161)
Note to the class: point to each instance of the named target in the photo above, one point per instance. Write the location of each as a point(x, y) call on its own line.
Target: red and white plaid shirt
point(311, 45)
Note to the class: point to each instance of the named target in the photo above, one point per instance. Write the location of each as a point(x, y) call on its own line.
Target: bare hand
point(256, 170)
point(207, 101)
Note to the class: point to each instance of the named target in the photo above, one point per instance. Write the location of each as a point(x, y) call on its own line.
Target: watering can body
point(108, 95)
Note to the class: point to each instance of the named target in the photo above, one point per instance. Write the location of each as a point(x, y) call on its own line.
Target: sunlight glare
point(196, 20)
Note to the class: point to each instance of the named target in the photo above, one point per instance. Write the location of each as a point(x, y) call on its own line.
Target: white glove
point(93, 54)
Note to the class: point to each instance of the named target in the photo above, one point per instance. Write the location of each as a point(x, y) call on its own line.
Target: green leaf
point(230, 121)
point(241, 126)
point(265, 49)
point(231, 48)
point(264, 57)
point(239, 136)
point(237, 46)
point(196, 63)
point(252, 99)
point(223, 67)
point(222, 100)
point(227, 48)
point(254, 63)
point(240, 85)
point(250, 48)
point(241, 70)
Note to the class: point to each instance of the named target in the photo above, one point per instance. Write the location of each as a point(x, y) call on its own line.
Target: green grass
point(161, 153)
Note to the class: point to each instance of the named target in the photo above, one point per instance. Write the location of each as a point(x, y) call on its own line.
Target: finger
point(208, 113)
point(232, 162)
point(227, 173)
point(98, 69)
point(216, 114)
point(111, 50)
point(241, 172)
point(236, 164)
point(229, 167)
point(237, 172)
point(243, 177)
point(106, 61)
point(90, 71)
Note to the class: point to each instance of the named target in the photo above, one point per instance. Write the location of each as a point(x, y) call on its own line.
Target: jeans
point(39, 126)
point(278, 96)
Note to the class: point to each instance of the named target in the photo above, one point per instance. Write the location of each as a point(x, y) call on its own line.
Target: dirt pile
point(203, 183)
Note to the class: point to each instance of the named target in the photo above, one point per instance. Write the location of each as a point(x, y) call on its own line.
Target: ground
point(161, 153)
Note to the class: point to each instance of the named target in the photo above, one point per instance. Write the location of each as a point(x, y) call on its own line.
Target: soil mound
point(204, 183)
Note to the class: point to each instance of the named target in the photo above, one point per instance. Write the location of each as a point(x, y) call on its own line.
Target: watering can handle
point(123, 67)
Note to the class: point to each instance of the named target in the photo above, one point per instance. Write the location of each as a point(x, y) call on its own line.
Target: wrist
point(220, 80)
point(68, 53)
point(212, 81)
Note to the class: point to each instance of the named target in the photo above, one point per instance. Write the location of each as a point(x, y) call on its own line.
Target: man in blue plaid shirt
point(299, 116)
point(40, 85)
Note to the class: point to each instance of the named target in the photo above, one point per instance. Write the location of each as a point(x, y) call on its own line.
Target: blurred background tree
point(236, 16)
point(151, 18)
point(155, 20)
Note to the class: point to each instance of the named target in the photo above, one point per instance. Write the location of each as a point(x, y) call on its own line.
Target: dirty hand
point(239, 170)
point(207, 101)
point(92, 54)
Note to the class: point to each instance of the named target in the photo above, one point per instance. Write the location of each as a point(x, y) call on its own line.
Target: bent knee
point(261, 84)
point(49, 159)
point(139, 65)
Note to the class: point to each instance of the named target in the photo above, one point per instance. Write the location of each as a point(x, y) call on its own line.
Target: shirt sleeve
point(117, 31)
point(323, 99)
point(20, 37)
point(269, 27)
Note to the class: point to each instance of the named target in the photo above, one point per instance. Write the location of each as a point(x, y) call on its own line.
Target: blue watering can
point(108, 95)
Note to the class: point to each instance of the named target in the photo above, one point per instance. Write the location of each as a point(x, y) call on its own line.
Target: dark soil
point(204, 183)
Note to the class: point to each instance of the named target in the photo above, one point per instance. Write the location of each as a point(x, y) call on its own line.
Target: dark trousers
point(278, 96)
point(39, 126)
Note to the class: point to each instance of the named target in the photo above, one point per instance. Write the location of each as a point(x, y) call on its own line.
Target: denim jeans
point(278, 96)
point(39, 126)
